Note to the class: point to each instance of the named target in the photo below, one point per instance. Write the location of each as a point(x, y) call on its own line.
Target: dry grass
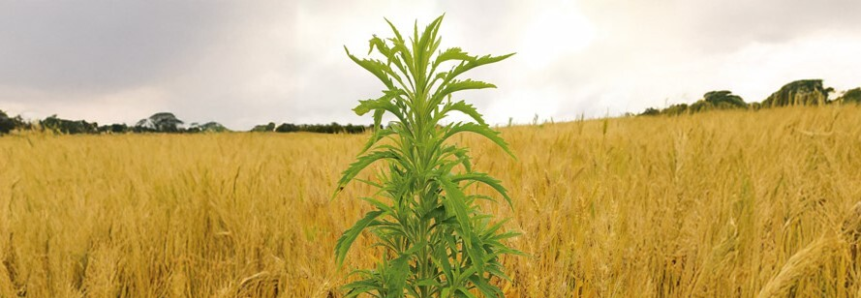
point(722, 204)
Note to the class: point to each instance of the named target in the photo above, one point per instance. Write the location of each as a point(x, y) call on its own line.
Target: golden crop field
point(719, 204)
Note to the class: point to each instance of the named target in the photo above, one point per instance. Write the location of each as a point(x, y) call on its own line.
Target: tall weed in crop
point(436, 240)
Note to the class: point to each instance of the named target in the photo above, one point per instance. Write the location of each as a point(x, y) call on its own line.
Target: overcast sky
point(248, 62)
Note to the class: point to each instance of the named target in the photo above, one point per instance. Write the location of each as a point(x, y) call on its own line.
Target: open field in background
point(719, 204)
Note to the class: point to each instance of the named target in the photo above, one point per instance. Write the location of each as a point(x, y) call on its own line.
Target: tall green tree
point(64, 126)
point(851, 96)
point(801, 92)
point(160, 122)
point(7, 124)
point(207, 127)
point(724, 100)
point(436, 240)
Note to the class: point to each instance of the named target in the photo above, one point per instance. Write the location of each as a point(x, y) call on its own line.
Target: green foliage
point(721, 100)
point(64, 126)
point(209, 127)
point(801, 92)
point(650, 112)
point(332, 128)
point(160, 122)
point(851, 96)
point(264, 128)
point(436, 240)
point(674, 110)
point(724, 100)
point(700, 106)
point(6, 124)
point(114, 128)
point(168, 123)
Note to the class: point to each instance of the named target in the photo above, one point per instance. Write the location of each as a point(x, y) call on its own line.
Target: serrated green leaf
point(454, 200)
point(377, 68)
point(483, 130)
point(463, 107)
point(383, 103)
point(480, 61)
point(487, 289)
point(453, 54)
point(342, 246)
point(456, 86)
point(379, 205)
point(487, 180)
point(464, 292)
point(363, 162)
point(361, 287)
point(396, 276)
point(381, 46)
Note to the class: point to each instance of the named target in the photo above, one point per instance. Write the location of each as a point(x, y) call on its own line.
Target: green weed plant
point(436, 240)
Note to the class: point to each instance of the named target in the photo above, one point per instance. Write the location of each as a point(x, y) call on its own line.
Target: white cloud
point(553, 33)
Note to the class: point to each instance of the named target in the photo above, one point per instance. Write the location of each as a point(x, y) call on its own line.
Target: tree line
point(801, 92)
point(332, 128)
point(158, 123)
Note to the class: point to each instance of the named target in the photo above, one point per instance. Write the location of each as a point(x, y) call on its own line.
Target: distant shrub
point(801, 92)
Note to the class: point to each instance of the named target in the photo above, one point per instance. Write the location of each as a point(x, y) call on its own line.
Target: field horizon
point(733, 203)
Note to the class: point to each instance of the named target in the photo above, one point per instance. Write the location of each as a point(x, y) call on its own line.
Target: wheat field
point(720, 204)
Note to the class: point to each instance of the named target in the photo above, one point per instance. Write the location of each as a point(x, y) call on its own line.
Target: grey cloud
point(82, 46)
point(722, 25)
